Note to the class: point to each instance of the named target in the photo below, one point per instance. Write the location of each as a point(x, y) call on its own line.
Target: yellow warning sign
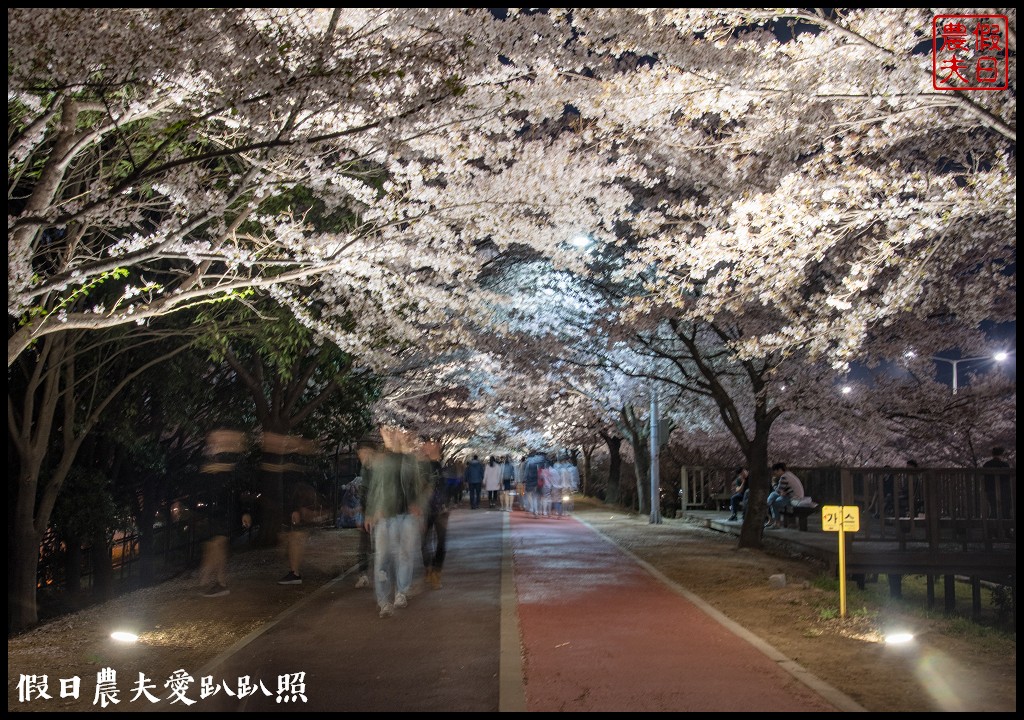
point(840, 517)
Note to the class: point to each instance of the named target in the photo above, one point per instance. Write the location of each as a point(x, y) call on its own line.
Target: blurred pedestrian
point(223, 451)
point(366, 451)
point(394, 515)
point(566, 481)
point(546, 479)
point(453, 481)
point(531, 478)
point(435, 528)
point(286, 455)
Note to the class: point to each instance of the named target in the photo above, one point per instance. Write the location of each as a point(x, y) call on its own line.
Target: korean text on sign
point(844, 517)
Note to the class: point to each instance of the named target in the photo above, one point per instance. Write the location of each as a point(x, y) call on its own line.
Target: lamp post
point(655, 471)
point(998, 357)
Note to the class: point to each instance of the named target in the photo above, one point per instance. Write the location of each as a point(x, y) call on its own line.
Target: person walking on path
point(394, 515)
point(286, 456)
point(535, 461)
point(223, 450)
point(474, 478)
point(508, 479)
point(492, 482)
point(453, 480)
point(366, 453)
point(435, 530)
point(558, 480)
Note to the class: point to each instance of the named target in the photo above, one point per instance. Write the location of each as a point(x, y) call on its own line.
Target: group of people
point(284, 475)
point(408, 497)
point(786, 490)
point(493, 477)
point(405, 494)
point(546, 486)
point(539, 483)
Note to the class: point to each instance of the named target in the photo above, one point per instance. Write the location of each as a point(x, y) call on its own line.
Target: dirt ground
point(951, 666)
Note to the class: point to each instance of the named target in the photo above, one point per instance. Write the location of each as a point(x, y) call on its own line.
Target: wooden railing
point(699, 485)
point(941, 507)
point(933, 507)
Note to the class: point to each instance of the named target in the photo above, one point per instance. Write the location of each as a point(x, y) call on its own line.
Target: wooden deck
point(972, 558)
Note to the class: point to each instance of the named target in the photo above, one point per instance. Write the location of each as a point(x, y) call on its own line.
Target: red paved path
point(600, 633)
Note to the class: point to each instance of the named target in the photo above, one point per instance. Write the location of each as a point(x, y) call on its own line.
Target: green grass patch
point(997, 616)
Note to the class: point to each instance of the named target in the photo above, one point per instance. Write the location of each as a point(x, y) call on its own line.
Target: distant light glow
point(847, 389)
point(898, 638)
point(122, 636)
point(581, 241)
point(1000, 356)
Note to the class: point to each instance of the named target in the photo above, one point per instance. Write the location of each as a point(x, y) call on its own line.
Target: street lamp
point(998, 357)
point(581, 241)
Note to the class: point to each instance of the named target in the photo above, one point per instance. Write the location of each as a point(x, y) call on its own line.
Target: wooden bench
point(719, 501)
point(799, 514)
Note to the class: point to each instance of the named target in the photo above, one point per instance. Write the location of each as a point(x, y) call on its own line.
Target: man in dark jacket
point(475, 480)
point(531, 476)
point(435, 530)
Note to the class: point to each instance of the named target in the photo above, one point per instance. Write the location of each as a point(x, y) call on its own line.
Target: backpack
point(546, 478)
point(350, 514)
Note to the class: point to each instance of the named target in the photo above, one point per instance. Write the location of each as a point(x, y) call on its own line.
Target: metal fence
point(175, 542)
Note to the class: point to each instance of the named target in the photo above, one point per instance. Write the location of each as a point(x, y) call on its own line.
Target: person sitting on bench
point(786, 490)
point(739, 487)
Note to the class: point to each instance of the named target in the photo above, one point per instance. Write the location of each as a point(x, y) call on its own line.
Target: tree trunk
point(611, 491)
point(53, 385)
point(639, 433)
point(642, 471)
point(73, 567)
point(22, 611)
point(102, 568)
point(146, 518)
point(588, 456)
point(759, 480)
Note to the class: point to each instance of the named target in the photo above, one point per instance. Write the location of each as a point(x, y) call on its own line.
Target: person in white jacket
point(492, 482)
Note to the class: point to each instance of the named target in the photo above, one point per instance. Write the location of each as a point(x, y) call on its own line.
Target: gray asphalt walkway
point(441, 653)
point(584, 626)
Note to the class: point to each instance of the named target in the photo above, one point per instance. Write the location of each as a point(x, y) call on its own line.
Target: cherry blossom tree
point(794, 156)
point(774, 194)
point(161, 173)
